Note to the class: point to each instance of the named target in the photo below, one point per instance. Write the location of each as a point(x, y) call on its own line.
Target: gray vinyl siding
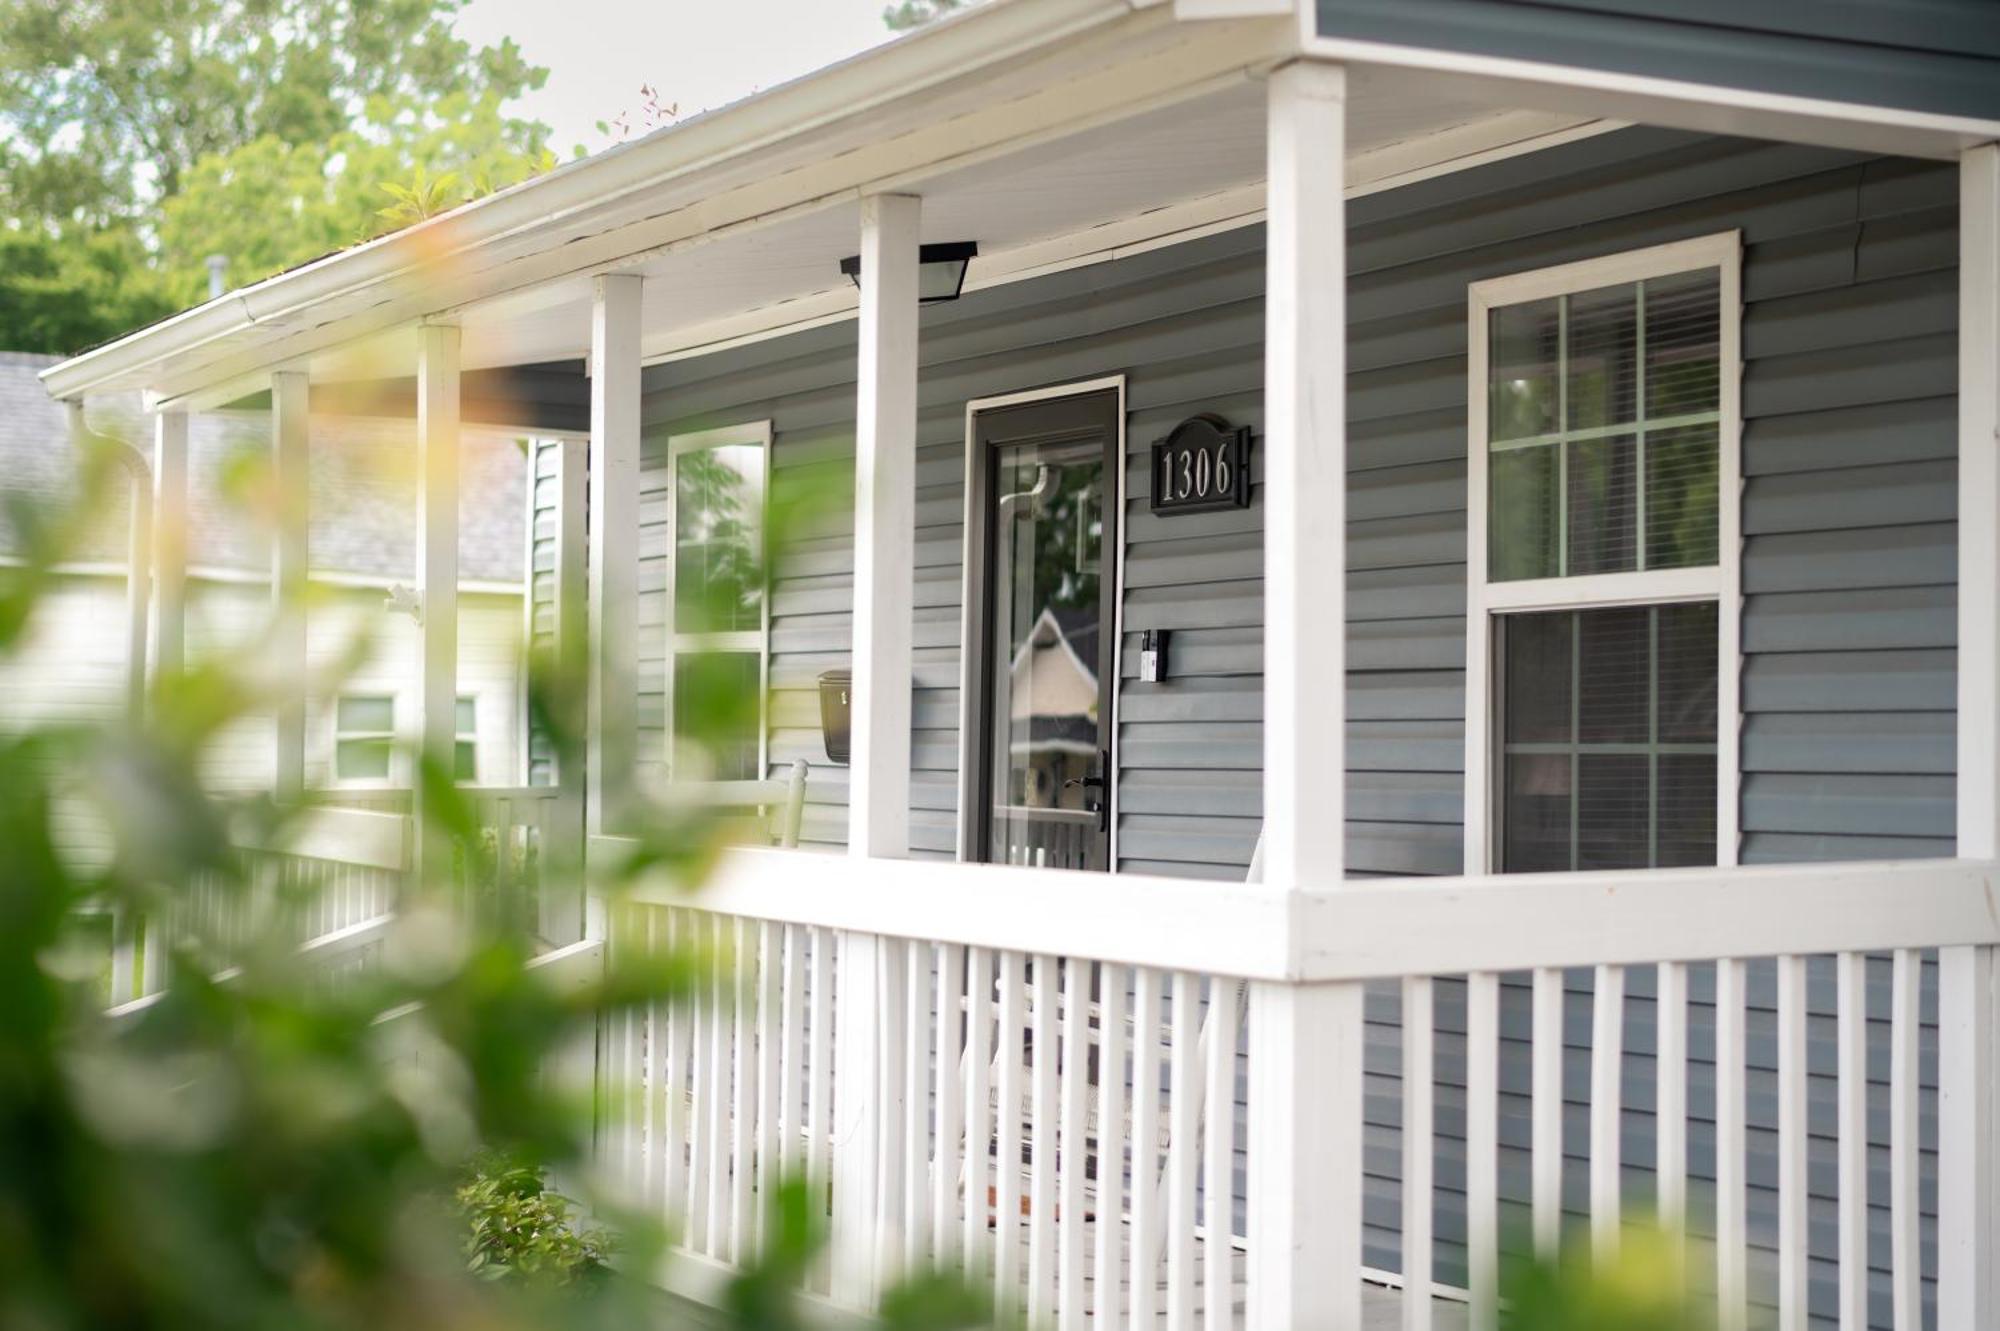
point(1922, 55)
point(1848, 517)
point(1185, 326)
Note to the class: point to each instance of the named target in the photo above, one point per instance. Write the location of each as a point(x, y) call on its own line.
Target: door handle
point(1096, 781)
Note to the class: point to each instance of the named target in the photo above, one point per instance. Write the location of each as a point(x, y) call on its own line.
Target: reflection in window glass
point(1603, 411)
point(718, 519)
point(717, 725)
point(716, 656)
point(1608, 738)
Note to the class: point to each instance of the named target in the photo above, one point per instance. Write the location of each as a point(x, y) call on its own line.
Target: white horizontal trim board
point(1507, 922)
point(1676, 103)
point(1176, 924)
point(361, 837)
point(1596, 590)
point(1360, 930)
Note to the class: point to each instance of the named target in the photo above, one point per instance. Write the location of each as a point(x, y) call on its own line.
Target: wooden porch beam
point(614, 545)
point(291, 482)
point(437, 576)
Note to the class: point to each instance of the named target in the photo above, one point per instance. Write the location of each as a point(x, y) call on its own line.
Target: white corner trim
point(1721, 583)
point(1110, 652)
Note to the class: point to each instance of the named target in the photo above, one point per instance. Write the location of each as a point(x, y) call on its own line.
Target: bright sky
point(698, 53)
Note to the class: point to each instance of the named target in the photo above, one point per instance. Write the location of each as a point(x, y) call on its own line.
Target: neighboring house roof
point(363, 485)
point(1054, 689)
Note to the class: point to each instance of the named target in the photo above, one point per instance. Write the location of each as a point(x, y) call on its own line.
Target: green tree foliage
point(70, 292)
point(110, 103)
point(907, 14)
point(271, 205)
point(138, 137)
point(270, 1145)
point(518, 1227)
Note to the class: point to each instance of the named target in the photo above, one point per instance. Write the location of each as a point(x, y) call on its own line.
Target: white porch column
point(170, 499)
point(290, 461)
point(885, 516)
point(1304, 1258)
point(866, 1180)
point(1968, 1294)
point(437, 575)
point(614, 545)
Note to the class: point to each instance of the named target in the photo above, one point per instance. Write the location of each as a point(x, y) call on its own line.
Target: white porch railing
point(1036, 1077)
point(937, 1133)
point(334, 868)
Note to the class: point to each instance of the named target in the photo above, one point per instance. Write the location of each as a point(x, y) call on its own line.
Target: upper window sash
point(1602, 410)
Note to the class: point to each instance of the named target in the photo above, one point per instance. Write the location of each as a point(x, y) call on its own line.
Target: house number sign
point(1202, 466)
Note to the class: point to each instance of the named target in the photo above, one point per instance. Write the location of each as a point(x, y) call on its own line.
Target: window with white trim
point(364, 739)
point(1603, 576)
point(718, 607)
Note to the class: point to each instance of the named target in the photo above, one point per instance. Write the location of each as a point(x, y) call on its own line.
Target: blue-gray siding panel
point(1849, 615)
point(1925, 55)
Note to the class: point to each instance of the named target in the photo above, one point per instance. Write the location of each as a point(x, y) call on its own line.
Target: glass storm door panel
point(1046, 485)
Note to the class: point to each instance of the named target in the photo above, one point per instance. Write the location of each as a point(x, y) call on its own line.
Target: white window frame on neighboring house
point(398, 775)
point(388, 737)
point(1720, 583)
point(757, 640)
point(462, 736)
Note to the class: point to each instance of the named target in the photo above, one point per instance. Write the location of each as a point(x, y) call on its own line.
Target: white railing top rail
point(1227, 928)
point(1365, 930)
point(515, 793)
point(360, 837)
point(1506, 922)
point(324, 950)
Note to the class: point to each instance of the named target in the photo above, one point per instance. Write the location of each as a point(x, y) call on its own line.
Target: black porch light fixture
point(940, 269)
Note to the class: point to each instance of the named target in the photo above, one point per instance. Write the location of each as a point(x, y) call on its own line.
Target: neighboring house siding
point(1938, 56)
point(1848, 506)
point(72, 669)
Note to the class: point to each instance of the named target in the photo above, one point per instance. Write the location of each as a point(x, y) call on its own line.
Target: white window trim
point(361, 692)
point(1722, 583)
point(400, 739)
point(756, 640)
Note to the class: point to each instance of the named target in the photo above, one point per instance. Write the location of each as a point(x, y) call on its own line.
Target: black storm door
point(1040, 631)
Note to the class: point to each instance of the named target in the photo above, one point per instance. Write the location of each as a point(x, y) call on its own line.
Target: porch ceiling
point(1049, 131)
point(1198, 162)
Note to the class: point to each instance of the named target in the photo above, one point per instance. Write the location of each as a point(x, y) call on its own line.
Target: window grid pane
point(1627, 778)
point(1603, 412)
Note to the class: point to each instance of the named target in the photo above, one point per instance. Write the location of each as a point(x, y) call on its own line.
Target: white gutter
point(940, 53)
